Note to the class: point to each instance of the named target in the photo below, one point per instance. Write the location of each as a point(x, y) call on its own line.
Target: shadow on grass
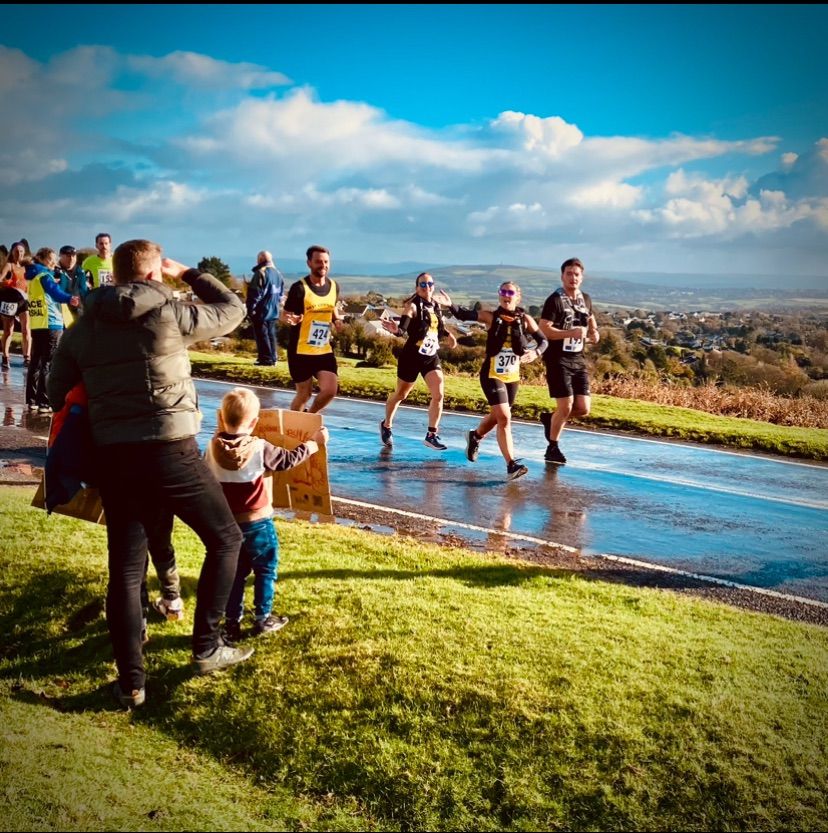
point(483, 575)
point(77, 642)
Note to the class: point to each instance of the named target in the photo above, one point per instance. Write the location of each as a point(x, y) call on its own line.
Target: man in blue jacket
point(264, 297)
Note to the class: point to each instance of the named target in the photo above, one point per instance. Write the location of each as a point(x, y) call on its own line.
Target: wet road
point(752, 520)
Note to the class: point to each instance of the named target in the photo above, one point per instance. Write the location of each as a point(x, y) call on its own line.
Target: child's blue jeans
point(259, 554)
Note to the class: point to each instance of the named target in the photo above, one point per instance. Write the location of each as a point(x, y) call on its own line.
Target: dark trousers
point(265, 333)
point(44, 343)
point(140, 485)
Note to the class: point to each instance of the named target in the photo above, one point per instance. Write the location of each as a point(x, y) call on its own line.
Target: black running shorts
point(303, 368)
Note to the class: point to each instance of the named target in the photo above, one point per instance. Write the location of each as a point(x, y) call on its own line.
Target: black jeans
point(141, 484)
point(44, 343)
point(266, 346)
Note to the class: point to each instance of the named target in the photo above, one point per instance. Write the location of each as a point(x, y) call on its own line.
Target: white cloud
point(231, 165)
point(190, 68)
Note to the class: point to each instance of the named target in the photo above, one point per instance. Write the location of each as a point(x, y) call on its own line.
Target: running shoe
point(515, 469)
point(432, 440)
point(472, 447)
point(385, 434)
point(554, 455)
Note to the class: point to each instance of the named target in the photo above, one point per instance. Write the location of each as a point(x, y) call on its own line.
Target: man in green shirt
point(99, 266)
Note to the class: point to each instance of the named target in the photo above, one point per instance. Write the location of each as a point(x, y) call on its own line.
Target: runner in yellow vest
point(99, 266)
point(311, 310)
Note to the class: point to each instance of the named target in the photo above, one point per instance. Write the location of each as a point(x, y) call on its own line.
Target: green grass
point(462, 393)
point(414, 688)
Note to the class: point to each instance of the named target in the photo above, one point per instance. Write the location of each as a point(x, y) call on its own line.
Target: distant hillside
point(472, 283)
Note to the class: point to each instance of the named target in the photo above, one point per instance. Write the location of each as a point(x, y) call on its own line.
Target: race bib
point(319, 334)
point(8, 307)
point(573, 345)
point(505, 367)
point(105, 277)
point(429, 345)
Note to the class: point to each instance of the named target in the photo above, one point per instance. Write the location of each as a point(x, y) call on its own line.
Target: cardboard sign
point(306, 488)
point(86, 504)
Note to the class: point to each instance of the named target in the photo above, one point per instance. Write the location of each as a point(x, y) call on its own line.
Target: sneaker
point(171, 609)
point(133, 700)
point(432, 440)
point(515, 469)
point(472, 447)
point(269, 625)
point(385, 434)
point(44, 409)
point(554, 455)
point(223, 657)
point(32, 407)
point(546, 421)
point(231, 632)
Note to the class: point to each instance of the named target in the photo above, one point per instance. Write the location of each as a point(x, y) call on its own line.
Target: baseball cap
point(68, 250)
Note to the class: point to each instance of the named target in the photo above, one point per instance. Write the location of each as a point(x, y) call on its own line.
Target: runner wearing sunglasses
point(422, 322)
point(507, 349)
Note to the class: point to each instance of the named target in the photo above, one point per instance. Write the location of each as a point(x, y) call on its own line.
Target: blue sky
point(655, 138)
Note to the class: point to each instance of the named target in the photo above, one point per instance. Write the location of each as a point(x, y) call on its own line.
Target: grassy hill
point(473, 283)
point(415, 688)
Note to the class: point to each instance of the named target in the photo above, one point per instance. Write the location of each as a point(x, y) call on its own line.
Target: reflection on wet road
point(752, 520)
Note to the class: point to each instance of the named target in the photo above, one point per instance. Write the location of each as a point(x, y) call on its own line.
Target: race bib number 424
point(319, 334)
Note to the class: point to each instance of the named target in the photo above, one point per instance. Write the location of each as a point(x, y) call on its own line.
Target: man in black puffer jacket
point(129, 348)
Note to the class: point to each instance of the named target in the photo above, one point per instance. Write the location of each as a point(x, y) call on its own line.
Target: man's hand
point(321, 437)
point(452, 341)
point(594, 336)
point(172, 268)
point(292, 318)
point(529, 356)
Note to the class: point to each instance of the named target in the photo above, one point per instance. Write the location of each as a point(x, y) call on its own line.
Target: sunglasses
point(507, 293)
point(426, 284)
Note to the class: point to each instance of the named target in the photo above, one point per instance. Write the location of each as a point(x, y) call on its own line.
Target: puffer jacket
point(130, 350)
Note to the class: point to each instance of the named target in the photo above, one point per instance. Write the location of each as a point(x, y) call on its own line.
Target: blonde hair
point(238, 407)
point(45, 256)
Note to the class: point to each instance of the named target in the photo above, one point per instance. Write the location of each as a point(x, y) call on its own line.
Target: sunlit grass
point(414, 688)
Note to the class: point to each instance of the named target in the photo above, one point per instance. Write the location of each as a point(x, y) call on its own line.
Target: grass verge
point(414, 688)
point(464, 394)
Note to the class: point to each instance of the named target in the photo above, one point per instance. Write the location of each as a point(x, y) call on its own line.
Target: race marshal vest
point(39, 304)
point(317, 319)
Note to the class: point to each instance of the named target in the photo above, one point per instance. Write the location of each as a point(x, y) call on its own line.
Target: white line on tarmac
point(631, 562)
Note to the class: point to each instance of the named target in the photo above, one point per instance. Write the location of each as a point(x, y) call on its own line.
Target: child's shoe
point(270, 624)
point(171, 609)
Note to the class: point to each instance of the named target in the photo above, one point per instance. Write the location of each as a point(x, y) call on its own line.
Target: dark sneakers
point(231, 632)
point(223, 657)
point(432, 440)
point(554, 455)
point(515, 469)
point(546, 421)
point(385, 434)
point(269, 625)
point(472, 447)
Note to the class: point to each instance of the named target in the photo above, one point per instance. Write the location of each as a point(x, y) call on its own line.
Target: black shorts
point(564, 380)
point(410, 365)
point(303, 368)
point(495, 391)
